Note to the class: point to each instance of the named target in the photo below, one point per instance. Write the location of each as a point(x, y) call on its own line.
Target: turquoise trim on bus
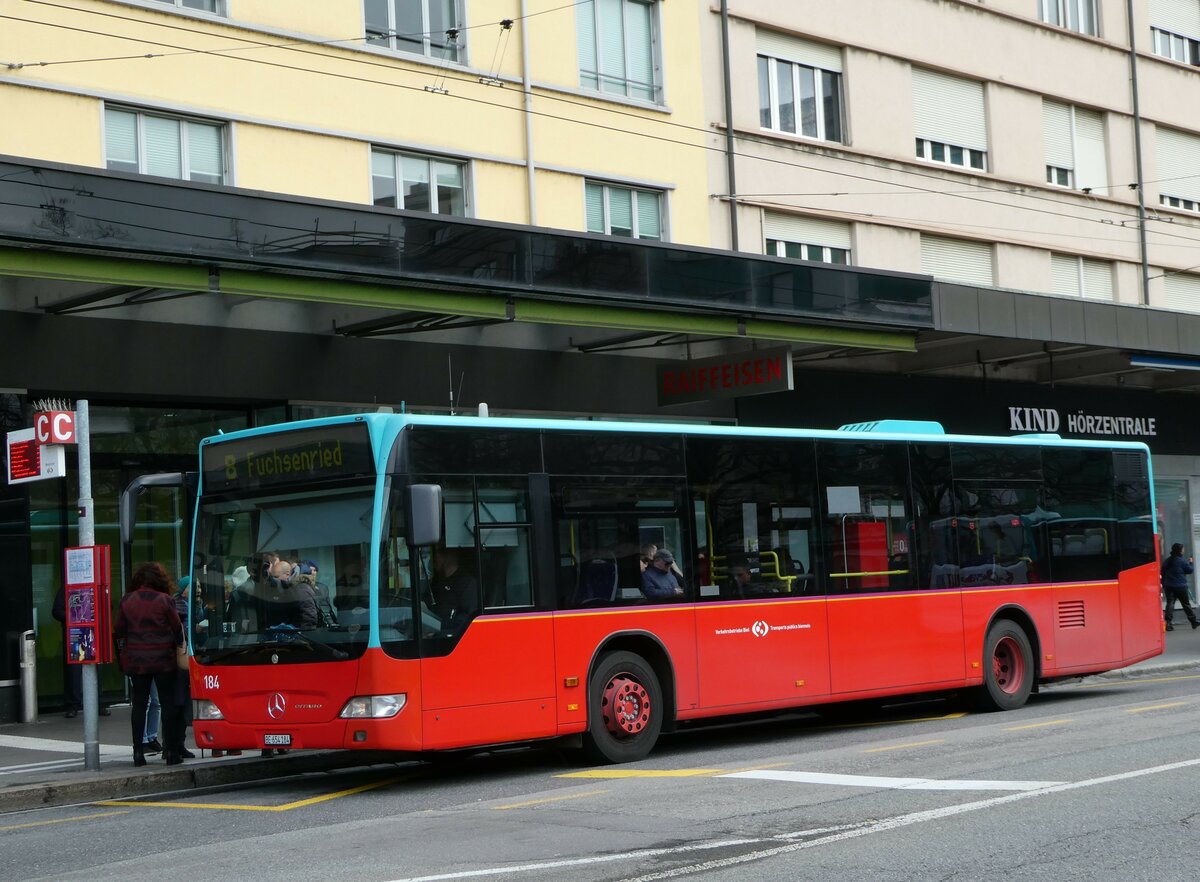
point(385, 428)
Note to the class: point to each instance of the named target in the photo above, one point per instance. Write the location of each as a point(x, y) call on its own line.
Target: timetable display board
point(87, 574)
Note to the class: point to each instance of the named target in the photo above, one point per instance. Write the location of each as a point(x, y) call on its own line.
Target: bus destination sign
point(300, 456)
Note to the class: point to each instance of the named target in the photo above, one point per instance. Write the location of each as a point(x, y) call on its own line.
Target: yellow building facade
point(513, 106)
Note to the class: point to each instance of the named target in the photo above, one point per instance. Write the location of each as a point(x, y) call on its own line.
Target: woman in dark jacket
point(148, 630)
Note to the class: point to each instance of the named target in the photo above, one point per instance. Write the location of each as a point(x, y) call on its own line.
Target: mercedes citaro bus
point(423, 583)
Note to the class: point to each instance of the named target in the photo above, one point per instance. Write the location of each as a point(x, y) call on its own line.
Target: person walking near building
point(1175, 571)
point(147, 631)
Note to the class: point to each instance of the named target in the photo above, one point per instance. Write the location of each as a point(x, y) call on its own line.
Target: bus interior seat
point(944, 575)
point(1096, 540)
point(1074, 543)
point(597, 581)
point(1056, 546)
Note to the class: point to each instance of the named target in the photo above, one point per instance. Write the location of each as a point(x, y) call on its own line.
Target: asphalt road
point(1097, 780)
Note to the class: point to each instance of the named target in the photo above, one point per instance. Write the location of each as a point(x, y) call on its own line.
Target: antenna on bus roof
point(450, 376)
point(483, 409)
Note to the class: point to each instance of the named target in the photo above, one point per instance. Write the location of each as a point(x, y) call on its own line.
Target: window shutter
point(1064, 275)
point(1091, 159)
point(163, 155)
point(649, 214)
point(120, 137)
point(806, 230)
point(640, 48)
point(1056, 134)
point(620, 211)
point(1178, 164)
point(205, 153)
point(800, 51)
point(612, 40)
point(1097, 279)
point(585, 37)
point(1182, 292)
point(594, 200)
point(956, 260)
point(1177, 16)
point(948, 109)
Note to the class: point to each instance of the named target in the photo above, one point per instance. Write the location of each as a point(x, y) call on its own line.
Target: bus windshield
point(283, 577)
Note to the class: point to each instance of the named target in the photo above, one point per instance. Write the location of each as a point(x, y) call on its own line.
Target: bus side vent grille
point(1071, 614)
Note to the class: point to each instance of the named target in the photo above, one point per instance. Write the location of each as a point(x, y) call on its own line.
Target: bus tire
point(625, 709)
point(1007, 667)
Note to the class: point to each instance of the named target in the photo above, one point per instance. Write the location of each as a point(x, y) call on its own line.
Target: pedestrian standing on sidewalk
point(183, 686)
point(1175, 571)
point(147, 632)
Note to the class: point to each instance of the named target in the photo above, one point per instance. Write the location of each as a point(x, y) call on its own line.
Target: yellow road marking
point(1037, 725)
point(642, 773)
point(62, 820)
point(514, 805)
point(906, 746)
point(1134, 681)
point(286, 807)
point(1138, 710)
point(754, 768)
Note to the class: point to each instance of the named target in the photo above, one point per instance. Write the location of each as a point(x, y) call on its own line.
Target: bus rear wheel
point(1007, 667)
point(625, 709)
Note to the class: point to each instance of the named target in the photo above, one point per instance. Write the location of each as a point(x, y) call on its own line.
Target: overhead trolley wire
point(759, 139)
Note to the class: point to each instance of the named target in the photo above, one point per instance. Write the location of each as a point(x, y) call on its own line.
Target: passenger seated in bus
point(453, 594)
point(246, 601)
point(739, 581)
point(287, 600)
point(659, 579)
point(1002, 547)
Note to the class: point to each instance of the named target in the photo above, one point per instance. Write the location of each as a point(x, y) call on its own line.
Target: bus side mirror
point(424, 514)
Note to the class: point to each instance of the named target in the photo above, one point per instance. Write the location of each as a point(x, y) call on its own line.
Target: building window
point(167, 146)
point(799, 99)
point(1073, 145)
point(1181, 291)
point(623, 211)
point(618, 48)
point(948, 119)
point(1077, 15)
point(1060, 177)
point(1177, 202)
point(951, 154)
point(201, 5)
point(805, 237)
point(1075, 276)
point(1175, 46)
point(957, 260)
point(801, 251)
point(423, 27)
point(416, 182)
point(1178, 155)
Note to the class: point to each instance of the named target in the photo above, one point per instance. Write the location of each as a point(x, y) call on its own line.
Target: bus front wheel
point(625, 709)
point(1007, 667)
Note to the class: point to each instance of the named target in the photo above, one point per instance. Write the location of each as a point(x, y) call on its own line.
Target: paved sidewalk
point(41, 764)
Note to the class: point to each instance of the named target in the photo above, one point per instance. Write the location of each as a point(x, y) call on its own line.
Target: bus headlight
point(203, 709)
point(373, 707)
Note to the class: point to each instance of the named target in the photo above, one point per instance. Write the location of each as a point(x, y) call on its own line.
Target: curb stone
point(125, 784)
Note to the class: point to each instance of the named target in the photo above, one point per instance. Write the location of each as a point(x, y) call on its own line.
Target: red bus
point(418, 583)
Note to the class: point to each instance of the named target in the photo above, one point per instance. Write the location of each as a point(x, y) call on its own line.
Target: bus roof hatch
point(896, 427)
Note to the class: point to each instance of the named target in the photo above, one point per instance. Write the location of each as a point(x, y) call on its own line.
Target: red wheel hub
point(626, 706)
point(1008, 666)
